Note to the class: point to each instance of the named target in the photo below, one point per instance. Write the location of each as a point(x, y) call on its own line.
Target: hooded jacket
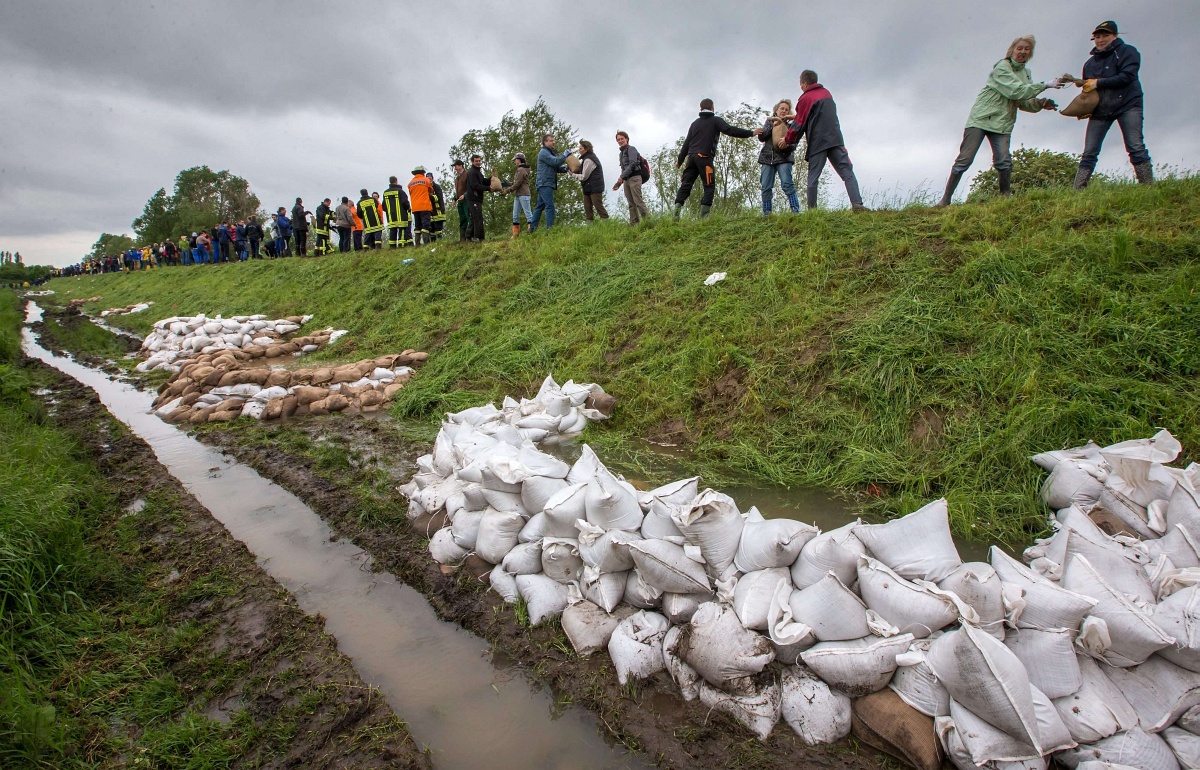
point(703, 134)
point(1009, 88)
point(1115, 71)
point(520, 182)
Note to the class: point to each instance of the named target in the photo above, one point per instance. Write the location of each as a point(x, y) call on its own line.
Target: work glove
point(1049, 104)
point(1089, 85)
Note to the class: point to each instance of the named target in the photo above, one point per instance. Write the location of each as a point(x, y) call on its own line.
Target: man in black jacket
point(1113, 72)
point(477, 185)
point(254, 234)
point(321, 219)
point(438, 220)
point(698, 150)
point(300, 228)
point(398, 209)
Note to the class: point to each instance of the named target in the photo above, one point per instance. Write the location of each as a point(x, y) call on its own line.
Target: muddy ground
point(291, 676)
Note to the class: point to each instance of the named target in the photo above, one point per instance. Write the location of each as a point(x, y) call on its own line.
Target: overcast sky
point(105, 102)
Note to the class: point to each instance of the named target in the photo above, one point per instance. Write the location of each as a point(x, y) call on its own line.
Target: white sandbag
point(658, 523)
point(836, 551)
point(636, 645)
point(606, 550)
point(536, 528)
point(465, 528)
point(917, 609)
point(1190, 720)
point(560, 559)
point(497, 535)
point(987, 678)
point(505, 501)
point(915, 683)
point(816, 712)
point(1185, 746)
point(589, 627)
point(1184, 504)
point(1049, 658)
point(681, 492)
point(1048, 461)
point(491, 481)
point(1134, 519)
point(679, 608)
point(1097, 709)
point(504, 584)
point(917, 545)
point(983, 742)
point(1179, 616)
point(684, 676)
point(757, 710)
point(714, 524)
point(1178, 544)
point(603, 589)
point(536, 491)
point(977, 585)
point(832, 611)
point(584, 469)
point(665, 566)
point(639, 593)
point(752, 596)
point(1159, 691)
point(857, 667)
point(1120, 566)
point(766, 544)
point(524, 559)
point(1134, 748)
point(253, 409)
point(960, 757)
point(544, 598)
point(721, 650)
point(476, 415)
point(1077, 520)
point(563, 509)
point(444, 550)
point(1132, 634)
point(1047, 604)
point(1138, 467)
point(473, 497)
point(1074, 482)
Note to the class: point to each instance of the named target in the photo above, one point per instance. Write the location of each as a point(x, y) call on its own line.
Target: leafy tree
point(736, 166)
point(498, 144)
point(109, 245)
point(202, 198)
point(1032, 169)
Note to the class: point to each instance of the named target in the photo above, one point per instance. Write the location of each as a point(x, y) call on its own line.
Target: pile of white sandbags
point(1089, 654)
point(127, 310)
point(255, 336)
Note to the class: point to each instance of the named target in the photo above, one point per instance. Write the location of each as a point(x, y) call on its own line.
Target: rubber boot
point(1005, 178)
point(951, 186)
point(1081, 178)
point(516, 232)
point(678, 209)
point(705, 211)
point(1144, 173)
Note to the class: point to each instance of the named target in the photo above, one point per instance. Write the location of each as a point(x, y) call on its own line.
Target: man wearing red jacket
point(816, 118)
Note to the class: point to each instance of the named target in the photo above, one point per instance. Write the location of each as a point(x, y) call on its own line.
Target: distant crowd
point(416, 213)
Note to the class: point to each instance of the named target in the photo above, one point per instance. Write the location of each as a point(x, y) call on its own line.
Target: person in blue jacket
point(1112, 71)
point(549, 166)
point(283, 231)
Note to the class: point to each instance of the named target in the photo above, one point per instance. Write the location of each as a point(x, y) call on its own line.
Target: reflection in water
point(435, 675)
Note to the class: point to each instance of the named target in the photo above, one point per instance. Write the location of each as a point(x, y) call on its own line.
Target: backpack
point(645, 169)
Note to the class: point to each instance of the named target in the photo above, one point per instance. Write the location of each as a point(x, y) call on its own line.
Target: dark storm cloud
point(103, 103)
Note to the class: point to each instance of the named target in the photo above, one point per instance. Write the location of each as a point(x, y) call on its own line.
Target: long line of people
point(416, 214)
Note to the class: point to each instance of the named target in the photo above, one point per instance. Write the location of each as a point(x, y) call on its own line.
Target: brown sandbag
point(387, 362)
point(1082, 106)
point(477, 567)
point(230, 404)
point(884, 721)
point(254, 351)
point(228, 415)
point(371, 398)
point(274, 351)
point(392, 388)
point(273, 410)
point(317, 408)
point(336, 402)
point(289, 406)
point(239, 354)
point(306, 394)
point(278, 378)
point(301, 410)
point(419, 357)
point(574, 163)
point(601, 402)
point(255, 376)
point(779, 134)
point(201, 415)
point(295, 319)
point(495, 185)
point(230, 378)
point(190, 398)
point(428, 523)
point(346, 374)
point(321, 376)
point(179, 414)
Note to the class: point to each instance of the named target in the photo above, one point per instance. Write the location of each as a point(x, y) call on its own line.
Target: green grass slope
point(911, 353)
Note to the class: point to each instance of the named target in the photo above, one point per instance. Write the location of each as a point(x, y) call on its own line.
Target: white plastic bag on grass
point(915, 546)
point(1185, 745)
point(544, 598)
point(857, 667)
point(721, 650)
point(1047, 604)
point(1132, 634)
point(1134, 748)
point(560, 559)
point(917, 609)
point(504, 584)
point(1049, 658)
point(684, 676)
point(758, 709)
point(1159, 691)
point(817, 713)
point(606, 550)
point(589, 627)
point(835, 551)
point(766, 544)
point(978, 586)
point(752, 596)
point(611, 503)
point(497, 535)
point(830, 609)
point(714, 524)
point(636, 645)
point(666, 567)
point(444, 550)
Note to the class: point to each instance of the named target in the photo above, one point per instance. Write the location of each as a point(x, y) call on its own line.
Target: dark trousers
point(322, 245)
point(226, 251)
point(1130, 122)
point(476, 214)
point(697, 167)
point(423, 225)
point(358, 239)
point(973, 140)
point(464, 220)
point(840, 160)
point(373, 239)
point(438, 226)
point(301, 236)
point(593, 205)
point(254, 248)
point(343, 239)
point(398, 237)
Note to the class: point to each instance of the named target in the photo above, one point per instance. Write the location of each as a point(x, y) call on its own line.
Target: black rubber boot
point(705, 211)
point(951, 186)
point(1005, 182)
point(1081, 178)
point(1144, 173)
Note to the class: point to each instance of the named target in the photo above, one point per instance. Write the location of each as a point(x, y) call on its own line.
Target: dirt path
point(294, 700)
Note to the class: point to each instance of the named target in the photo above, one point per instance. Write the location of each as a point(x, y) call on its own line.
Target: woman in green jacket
point(1008, 89)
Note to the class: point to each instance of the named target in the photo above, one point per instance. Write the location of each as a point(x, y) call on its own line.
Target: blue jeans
point(521, 203)
point(241, 250)
point(767, 176)
point(545, 202)
point(198, 256)
point(280, 242)
point(1130, 122)
point(973, 140)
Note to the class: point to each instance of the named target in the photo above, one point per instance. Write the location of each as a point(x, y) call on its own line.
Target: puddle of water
point(436, 676)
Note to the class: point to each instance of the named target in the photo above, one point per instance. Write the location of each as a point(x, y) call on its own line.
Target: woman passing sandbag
point(1009, 88)
point(776, 157)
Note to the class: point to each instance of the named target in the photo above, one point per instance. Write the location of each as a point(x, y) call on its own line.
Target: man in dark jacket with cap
point(477, 185)
point(817, 119)
point(697, 153)
point(1113, 73)
point(300, 228)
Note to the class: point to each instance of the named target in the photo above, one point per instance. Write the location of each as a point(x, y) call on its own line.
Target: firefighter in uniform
point(420, 194)
point(395, 205)
point(321, 227)
point(372, 219)
point(438, 220)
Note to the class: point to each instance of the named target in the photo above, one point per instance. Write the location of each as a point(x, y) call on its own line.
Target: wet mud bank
point(343, 469)
point(290, 697)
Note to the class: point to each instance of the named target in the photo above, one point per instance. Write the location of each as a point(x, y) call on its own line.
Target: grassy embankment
point(911, 353)
point(108, 656)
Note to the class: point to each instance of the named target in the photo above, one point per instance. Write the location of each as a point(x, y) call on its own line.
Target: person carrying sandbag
point(1112, 71)
point(697, 153)
point(1009, 88)
point(775, 157)
point(591, 177)
point(549, 166)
